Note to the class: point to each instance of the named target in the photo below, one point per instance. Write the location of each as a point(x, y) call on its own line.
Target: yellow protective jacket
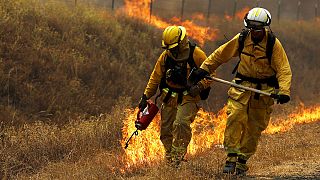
point(159, 71)
point(254, 66)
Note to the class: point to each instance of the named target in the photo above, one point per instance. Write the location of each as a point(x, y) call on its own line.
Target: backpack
point(269, 48)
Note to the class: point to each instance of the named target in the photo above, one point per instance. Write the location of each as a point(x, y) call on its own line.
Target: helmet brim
point(165, 46)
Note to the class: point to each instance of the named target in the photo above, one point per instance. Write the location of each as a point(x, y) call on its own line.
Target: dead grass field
point(289, 155)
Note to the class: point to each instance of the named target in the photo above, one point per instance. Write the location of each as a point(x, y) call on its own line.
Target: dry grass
point(60, 61)
point(289, 154)
point(36, 145)
point(282, 156)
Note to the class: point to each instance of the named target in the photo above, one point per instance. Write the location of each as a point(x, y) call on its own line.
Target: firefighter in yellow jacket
point(249, 113)
point(179, 101)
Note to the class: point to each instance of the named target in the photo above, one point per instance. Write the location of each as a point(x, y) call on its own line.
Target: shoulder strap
point(242, 38)
point(191, 62)
point(270, 43)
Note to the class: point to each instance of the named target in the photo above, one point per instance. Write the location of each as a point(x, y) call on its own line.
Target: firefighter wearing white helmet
point(179, 102)
point(263, 65)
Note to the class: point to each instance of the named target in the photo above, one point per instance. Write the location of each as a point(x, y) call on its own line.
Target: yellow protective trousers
point(245, 122)
point(176, 132)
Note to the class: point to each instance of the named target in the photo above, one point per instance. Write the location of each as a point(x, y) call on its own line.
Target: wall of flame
point(207, 130)
point(140, 9)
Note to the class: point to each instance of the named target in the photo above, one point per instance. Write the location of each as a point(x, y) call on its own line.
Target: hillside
point(59, 62)
point(70, 76)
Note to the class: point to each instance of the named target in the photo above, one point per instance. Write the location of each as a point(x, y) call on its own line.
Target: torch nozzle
point(127, 143)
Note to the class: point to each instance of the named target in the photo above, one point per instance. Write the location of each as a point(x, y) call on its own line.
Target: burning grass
point(82, 150)
point(207, 130)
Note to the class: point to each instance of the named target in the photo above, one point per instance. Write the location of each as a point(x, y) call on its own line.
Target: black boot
point(230, 165)
point(241, 167)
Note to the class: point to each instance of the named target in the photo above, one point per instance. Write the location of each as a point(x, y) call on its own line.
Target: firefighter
point(263, 65)
point(178, 100)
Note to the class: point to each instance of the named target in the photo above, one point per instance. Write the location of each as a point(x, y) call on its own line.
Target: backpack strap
point(270, 43)
point(191, 62)
point(269, 47)
point(242, 38)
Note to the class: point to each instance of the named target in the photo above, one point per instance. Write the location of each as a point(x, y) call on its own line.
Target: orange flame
point(207, 130)
point(140, 9)
point(228, 17)
point(238, 15)
point(303, 116)
point(198, 16)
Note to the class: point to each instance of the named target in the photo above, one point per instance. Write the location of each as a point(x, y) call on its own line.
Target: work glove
point(197, 75)
point(143, 102)
point(195, 90)
point(283, 99)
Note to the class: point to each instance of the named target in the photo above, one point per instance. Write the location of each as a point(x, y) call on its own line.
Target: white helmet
point(257, 18)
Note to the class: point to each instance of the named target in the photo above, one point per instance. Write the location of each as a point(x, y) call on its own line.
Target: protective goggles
point(255, 25)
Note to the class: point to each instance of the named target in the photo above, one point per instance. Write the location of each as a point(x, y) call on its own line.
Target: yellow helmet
point(172, 36)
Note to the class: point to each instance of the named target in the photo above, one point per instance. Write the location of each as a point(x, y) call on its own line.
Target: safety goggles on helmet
point(255, 25)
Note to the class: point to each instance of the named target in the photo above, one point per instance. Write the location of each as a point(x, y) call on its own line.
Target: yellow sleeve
point(221, 55)
point(280, 64)
point(155, 77)
point(199, 57)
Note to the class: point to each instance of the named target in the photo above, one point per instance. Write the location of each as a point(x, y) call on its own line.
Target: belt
point(270, 81)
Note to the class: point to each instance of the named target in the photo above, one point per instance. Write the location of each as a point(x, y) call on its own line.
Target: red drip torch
point(144, 118)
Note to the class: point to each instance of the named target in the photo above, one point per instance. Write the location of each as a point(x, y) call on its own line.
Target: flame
point(238, 15)
point(198, 16)
point(207, 129)
point(303, 116)
point(228, 17)
point(140, 9)
point(147, 147)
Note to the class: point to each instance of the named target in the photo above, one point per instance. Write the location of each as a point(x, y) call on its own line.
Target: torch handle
point(275, 96)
